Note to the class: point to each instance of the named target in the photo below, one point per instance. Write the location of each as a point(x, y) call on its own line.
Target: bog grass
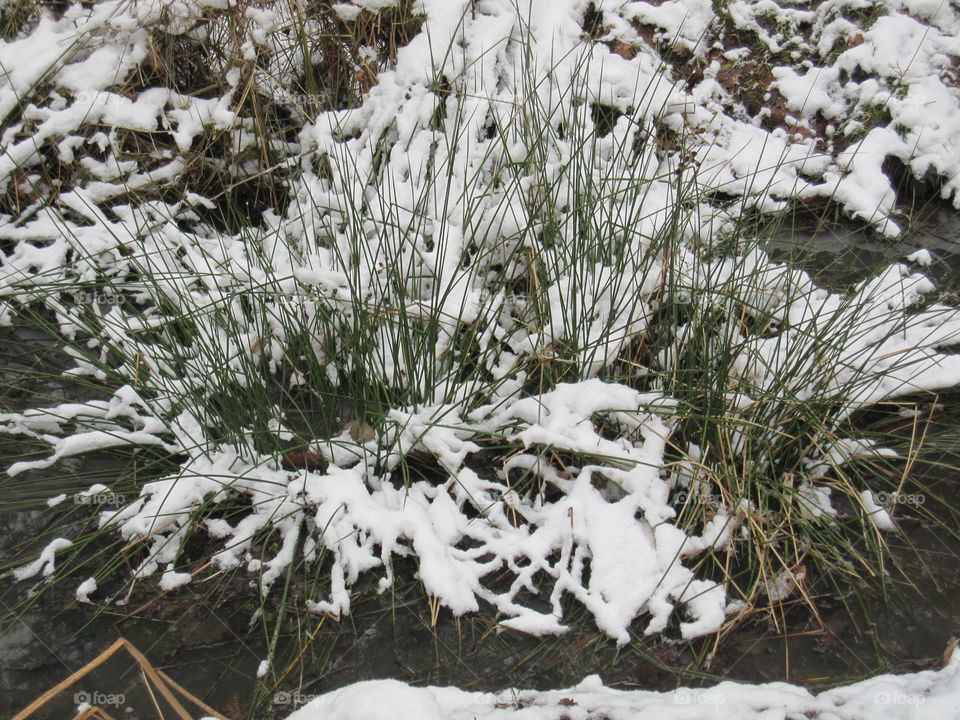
point(553, 272)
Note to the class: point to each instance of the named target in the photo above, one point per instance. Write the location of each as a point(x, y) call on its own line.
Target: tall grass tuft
point(487, 306)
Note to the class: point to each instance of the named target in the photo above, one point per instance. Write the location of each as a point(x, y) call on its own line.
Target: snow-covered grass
point(492, 315)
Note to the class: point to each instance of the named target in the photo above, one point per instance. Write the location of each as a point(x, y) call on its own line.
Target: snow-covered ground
point(928, 695)
point(512, 191)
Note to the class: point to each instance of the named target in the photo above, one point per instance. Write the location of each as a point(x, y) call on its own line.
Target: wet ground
point(203, 638)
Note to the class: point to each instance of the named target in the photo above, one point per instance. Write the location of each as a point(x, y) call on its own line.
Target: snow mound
point(926, 694)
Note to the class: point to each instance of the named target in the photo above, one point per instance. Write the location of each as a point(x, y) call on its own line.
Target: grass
point(381, 302)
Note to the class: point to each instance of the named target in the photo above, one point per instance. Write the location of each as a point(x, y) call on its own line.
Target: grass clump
point(473, 263)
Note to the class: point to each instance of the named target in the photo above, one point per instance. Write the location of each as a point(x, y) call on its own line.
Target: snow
point(56, 500)
point(685, 22)
point(374, 700)
point(45, 564)
point(923, 258)
point(86, 589)
point(877, 514)
point(171, 580)
point(402, 217)
point(817, 91)
point(922, 695)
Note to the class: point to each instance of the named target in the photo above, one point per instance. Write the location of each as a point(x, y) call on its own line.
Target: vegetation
point(286, 294)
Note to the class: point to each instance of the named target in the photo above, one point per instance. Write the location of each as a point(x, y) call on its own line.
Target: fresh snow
point(45, 564)
point(456, 207)
point(86, 589)
point(922, 695)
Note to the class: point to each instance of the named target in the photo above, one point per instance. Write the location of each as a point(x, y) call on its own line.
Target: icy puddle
point(838, 255)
